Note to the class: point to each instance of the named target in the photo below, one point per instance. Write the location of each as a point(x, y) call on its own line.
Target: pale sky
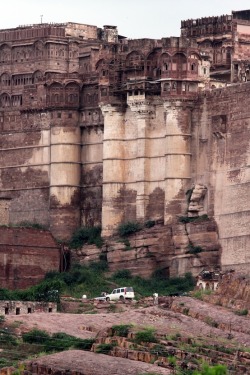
point(134, 18)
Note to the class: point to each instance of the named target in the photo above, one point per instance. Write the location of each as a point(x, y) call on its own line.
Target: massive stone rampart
point(26, 255)
point(220, 146)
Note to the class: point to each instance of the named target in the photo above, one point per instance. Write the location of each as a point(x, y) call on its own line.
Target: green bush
point(160, 274)
point(200, 293)
point(149, 224)
point(147, 335)
point(211, 370)
point(4, 362)
point(36, 336)
point(127, 244)
point(122, 274)
point(172, 361)
point(61, 341)
point(187, 219)
point(121, 330)
point(128, 228)
point(7, 338)
point(104, 348)
point(241, 312)
point(86, 235)
point(91, 280)
point(159, 350)
point(84, 344)
point(48, 291)
point(57, 342)
point(194, 249)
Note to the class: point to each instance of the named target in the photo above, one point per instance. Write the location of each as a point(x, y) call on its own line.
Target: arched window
point(5, 79)
point(5, 100)
point(37, 76)
point(55, 93)
point(72, 93)
point(135, 60)
point(179, 62)
point(166, 87)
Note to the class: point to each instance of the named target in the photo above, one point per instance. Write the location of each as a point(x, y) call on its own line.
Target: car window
point(114, 291)
point(118, 291)
point(122, 290)
point(129, 289)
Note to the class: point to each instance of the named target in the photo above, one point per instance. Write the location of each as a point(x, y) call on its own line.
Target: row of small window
point(10, 101)
point(56, 99)
point(24, 79)
point(91, 116)
point(165, 87)
point(31, 33)
point(21, 56)
point(211, 29)
point(59, 115)
point(18, 310)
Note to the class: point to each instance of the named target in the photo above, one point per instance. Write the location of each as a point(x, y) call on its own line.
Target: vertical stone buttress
point(178, 157)
point(143, 112)
point(65, 150)
point(113, 166)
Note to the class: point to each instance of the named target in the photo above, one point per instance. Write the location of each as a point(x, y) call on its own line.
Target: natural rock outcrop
point(175, 249)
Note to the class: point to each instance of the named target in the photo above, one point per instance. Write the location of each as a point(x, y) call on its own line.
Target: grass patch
point(57, 342)
point(121, 330)
point(28, 224)
point(199, 294)
point(147, 335)
point(194, 249)
point(211, 322)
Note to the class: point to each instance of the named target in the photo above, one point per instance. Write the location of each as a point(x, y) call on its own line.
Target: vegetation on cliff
point(86, 235)
point(93, 279)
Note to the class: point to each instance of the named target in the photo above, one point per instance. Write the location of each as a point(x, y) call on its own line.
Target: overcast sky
point(134, 18)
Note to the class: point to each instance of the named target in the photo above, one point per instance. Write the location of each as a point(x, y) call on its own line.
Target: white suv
point(121, 294)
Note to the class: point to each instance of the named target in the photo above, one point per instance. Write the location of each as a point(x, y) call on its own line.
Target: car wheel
point(121, 298)
point(107, 299)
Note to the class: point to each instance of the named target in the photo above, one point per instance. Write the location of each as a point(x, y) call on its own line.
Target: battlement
point(206, 26)
point(241, 15)
point(42, 30)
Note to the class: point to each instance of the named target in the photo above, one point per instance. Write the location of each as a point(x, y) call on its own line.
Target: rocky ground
point(202, 319)
point(212, 331)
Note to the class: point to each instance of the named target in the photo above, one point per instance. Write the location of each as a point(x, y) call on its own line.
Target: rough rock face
point(177, 249)
point(196, 201)
point(86, 363)
point(233, 292)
